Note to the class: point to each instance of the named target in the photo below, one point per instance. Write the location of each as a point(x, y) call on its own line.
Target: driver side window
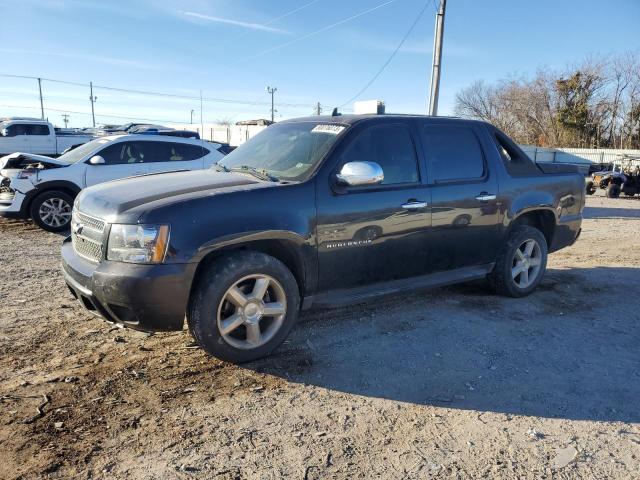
point(391, 147)
point(16, 129)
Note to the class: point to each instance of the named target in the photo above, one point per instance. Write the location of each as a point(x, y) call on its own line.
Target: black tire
point(39, 205)
point(590, 188)
point(613, 190)
point(501, 279)
point(208, 297)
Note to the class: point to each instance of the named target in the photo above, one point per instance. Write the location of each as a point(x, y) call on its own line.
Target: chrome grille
point(86, 236)
point(91, 222)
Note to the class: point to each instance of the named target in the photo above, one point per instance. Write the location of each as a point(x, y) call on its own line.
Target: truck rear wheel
point(613, 190)
point(51, 210)
point(243, 306)
point(521, 264)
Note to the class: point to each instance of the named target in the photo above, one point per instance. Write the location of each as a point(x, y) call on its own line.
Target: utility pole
point(272, 91)
point(93, 100)
point(437, 60)
point(65, 119)
point(318, 109)
point(41, 102)
point(191, 122)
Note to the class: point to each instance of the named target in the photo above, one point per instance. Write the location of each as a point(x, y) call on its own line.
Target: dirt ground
point(452, 383)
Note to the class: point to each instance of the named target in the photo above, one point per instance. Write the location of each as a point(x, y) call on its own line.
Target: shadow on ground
point(570, 350)
point(605, 212)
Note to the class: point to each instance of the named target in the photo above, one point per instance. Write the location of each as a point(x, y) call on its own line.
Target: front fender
point(244, 238)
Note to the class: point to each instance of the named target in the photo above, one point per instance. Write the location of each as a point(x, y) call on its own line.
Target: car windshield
point(285, 151)
point(79, 153)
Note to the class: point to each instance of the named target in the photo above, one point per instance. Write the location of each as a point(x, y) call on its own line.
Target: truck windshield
point(285, 151)
point(79, 153)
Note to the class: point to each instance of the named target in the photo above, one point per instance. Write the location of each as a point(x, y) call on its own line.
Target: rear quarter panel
point(561, 194)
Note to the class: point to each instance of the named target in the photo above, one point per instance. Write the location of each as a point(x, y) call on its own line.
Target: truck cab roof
point(351, 119)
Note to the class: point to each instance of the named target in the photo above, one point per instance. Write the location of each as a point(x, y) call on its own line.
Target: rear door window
point(177, 152)
point(453, 153)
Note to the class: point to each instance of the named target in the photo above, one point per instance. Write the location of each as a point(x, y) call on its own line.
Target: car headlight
point(24, 174)
point(138, 243)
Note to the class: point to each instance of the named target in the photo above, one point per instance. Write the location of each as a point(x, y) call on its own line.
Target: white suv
point(43, 188)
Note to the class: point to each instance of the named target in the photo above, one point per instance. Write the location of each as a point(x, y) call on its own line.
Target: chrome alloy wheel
point(251, 311)
point(526, 263)
point(55, 212)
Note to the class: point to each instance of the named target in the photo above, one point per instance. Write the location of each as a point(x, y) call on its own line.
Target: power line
point(392, 56)
point(161, 94)
point(314, 33)
point(103, 115)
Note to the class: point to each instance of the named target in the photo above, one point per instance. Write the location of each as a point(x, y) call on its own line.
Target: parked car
point(43, 188)
point(319, 211)
point(111, 129)
point(170, 132)
point(37, 136)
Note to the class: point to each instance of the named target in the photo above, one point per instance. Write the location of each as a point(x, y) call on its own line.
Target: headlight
point(24, 174)
point(138, 243)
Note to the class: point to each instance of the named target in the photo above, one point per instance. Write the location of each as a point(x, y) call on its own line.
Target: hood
point(111, 199)
point(20, 160)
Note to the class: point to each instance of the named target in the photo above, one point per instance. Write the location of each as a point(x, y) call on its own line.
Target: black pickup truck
point(318, 211)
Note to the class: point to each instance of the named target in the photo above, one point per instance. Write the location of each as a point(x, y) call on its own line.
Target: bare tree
point(595, 103)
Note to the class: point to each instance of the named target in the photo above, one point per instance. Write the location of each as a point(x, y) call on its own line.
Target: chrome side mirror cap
point(97, 160)
point(360, 173)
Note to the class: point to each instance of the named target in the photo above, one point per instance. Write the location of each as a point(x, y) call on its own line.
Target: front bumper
point(142, 297)
point(13, 207)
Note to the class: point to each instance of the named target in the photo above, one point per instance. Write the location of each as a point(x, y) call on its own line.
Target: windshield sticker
point(332, 129)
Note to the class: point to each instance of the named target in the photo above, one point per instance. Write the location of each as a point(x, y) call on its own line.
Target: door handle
point(485, 197)
point(414, 205)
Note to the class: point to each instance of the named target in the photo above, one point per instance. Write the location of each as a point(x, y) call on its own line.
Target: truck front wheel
point(521, 263)
point(243, 306)
point(51, 210)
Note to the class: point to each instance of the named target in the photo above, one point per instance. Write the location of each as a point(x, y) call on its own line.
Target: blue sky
point(233, 49)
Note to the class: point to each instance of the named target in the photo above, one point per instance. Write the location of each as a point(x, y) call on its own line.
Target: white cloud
point(237, 23)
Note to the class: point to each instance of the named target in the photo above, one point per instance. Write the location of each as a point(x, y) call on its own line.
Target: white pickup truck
point(36, 136)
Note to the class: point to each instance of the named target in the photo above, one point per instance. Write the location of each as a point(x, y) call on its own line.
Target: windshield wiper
point(261, 174)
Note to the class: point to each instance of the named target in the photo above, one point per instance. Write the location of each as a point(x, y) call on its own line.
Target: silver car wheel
point(55, 212)
point(526, 263)
point(251, 311)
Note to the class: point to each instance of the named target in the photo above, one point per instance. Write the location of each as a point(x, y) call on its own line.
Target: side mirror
point(4, 132)
point(97, 160)
point(360, 173)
